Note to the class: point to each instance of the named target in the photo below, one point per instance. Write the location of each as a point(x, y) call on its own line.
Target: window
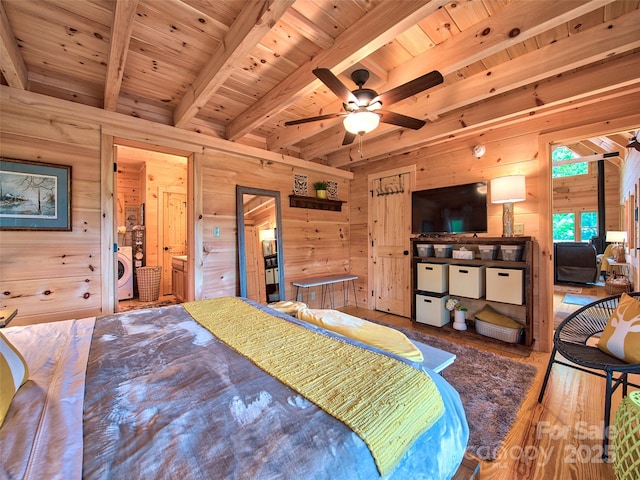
point(564, 227)
point(588, 225)
point(569, 169)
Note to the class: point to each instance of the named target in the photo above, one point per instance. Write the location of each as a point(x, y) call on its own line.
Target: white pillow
point(379, 336)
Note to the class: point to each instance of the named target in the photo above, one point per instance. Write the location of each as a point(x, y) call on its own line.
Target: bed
point(154, 394)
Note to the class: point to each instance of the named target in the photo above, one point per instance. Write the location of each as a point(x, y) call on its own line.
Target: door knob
point(166, 249)
point(406, 252)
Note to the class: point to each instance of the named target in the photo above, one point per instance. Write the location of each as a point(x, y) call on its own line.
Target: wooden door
point(390, 209)
point(174, 234)
point(254, 260)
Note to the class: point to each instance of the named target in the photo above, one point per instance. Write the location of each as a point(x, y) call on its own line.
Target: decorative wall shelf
point(299, 201)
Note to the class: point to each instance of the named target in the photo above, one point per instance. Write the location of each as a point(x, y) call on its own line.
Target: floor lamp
point(508, 190)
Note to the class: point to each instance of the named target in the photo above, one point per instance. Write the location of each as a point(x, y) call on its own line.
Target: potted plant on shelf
point(321, 189)
point(459, 312)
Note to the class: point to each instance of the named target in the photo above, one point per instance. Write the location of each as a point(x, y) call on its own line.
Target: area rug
point(572, 299)
point(141, 306)
point(564, 288)
point(491, 387)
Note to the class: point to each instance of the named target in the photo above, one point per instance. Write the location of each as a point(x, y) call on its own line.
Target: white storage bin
point(511, 253)
point(443, 251)
point(488, 252)
point(505, 285)
point(431, 310)
point(433, 277)
point(466, 281)
point(463, 253)
point(425, 250)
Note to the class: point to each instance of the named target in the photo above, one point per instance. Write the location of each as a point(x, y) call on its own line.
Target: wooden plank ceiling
point(238, 69)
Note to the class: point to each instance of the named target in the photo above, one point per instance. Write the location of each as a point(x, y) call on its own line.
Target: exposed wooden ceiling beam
point(379, 26)
point(510, 26)
point(620, 140)
point(589, 158)
point(124, 14)
point(252, 24)
point(307, 29)
point(594, 148)
point(513, 106)
point(547, 62)
point(12, 64)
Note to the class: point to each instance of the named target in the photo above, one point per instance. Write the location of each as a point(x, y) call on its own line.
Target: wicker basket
point(149, 283)
point(627, 438)
point(617, 284)
point(509, 335)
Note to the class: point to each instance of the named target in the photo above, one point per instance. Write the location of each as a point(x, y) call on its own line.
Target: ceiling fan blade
point(401, 120)
point(313, 119)
point(413, 87)
point(348, 138)
point(335, 85)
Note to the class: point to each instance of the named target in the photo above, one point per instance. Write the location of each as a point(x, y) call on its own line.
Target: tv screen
point(454, 209)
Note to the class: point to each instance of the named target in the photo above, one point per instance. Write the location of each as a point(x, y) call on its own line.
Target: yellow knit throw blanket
point(386, 402)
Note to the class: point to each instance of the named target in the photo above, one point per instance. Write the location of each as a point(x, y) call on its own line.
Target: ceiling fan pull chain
point(360, 146)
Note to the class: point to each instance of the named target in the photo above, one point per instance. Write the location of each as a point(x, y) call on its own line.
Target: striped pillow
point(13, 373)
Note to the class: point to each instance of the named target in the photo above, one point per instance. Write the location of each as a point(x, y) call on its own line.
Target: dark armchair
point(575, 262)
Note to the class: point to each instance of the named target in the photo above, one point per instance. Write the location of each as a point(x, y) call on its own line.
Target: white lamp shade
point(268, 234)
point(509, 189)
point(616, 237)
point(361, 122)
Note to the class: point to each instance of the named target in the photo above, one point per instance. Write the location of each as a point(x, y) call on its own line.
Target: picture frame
point(34, 195)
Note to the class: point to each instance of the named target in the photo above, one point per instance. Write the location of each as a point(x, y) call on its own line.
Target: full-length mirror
point(260, 252)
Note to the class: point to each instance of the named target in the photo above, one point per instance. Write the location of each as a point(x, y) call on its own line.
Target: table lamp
point(508, 190)
point(618, 238)
point(268, 238)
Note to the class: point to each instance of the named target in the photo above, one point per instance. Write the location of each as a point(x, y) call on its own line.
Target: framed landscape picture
point(34, 195)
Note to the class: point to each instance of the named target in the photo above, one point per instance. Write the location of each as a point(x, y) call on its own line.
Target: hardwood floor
point(558, 439)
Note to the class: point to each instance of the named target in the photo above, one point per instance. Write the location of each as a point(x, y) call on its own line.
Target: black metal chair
point(575, 339)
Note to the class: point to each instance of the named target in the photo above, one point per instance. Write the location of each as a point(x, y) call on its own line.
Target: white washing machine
point(125, 273)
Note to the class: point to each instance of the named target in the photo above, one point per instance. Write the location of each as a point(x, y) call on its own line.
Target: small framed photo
point(34, 195)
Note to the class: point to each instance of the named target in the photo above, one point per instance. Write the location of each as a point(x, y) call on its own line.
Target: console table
point(621, 268)
point(328, 287)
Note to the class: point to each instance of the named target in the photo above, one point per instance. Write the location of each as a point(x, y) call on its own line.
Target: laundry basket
point(149, 283)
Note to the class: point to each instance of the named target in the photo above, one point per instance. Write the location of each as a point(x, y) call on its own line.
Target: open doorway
point(586, 185)
point(151, 220)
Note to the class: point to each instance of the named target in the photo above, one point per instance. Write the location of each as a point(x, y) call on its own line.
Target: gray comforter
point(164, 399)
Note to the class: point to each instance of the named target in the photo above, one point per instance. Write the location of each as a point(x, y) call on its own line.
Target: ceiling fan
point(363, 106)
point(633, 142)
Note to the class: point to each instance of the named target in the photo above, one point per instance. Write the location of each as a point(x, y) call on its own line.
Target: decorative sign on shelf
point(332, 190)
point(300, 185)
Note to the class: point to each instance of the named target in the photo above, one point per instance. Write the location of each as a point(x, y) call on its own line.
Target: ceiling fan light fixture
point(361, 122)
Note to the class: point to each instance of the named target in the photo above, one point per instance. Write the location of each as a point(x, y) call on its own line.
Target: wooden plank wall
point(580, 193)
point(50, 276)
point(509, 150)
point(631, 187)
point(59, 275)
point(315, 242)
point(54, 275)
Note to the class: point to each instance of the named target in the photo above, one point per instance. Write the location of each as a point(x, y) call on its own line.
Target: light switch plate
point(518, 228)
point(216, 231)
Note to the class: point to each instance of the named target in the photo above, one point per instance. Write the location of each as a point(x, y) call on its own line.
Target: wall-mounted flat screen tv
point(453, 209)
